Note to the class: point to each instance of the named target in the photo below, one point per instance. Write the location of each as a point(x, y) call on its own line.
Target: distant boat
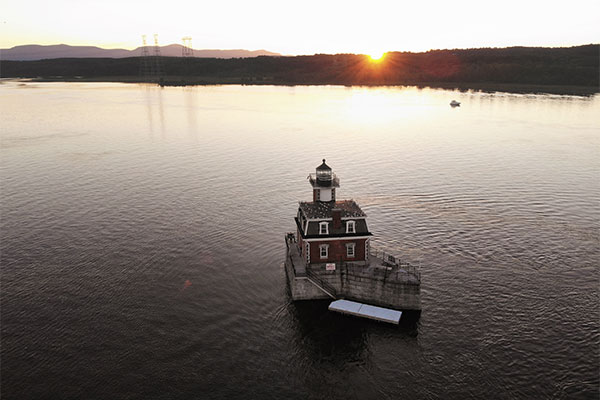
point(455, 103)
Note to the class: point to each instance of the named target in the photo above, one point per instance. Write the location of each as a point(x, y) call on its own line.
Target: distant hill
point(467, 68)
point(34, 52)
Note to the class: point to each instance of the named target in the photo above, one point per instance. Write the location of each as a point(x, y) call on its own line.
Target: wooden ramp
point(366, 311)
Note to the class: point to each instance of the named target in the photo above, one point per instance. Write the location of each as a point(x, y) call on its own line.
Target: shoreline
point(571, 90)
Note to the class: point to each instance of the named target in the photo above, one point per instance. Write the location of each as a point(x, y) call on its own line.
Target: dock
point(366, 311)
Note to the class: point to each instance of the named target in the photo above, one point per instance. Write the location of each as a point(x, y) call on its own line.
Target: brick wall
point(337, 251)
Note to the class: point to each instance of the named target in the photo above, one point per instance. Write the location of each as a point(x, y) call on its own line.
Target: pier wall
point(398, 295)
point(301, 288)
point(365, 289)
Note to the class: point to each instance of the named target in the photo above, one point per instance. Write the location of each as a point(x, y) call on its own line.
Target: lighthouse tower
point(324, 183)
point(331, 232)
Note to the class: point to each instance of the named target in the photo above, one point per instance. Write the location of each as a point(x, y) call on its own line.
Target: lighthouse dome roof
point(323, 167)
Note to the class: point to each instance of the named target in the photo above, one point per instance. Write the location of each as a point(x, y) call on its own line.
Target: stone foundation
point(352, 284)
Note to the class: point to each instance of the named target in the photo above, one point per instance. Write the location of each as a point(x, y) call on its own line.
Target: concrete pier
point(380, 281)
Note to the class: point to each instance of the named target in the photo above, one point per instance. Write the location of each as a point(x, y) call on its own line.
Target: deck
point(294, 255)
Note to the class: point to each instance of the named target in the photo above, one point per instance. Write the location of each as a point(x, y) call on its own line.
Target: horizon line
point(276, 54)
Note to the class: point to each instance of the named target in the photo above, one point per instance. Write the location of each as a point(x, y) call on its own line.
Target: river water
point(142, 241)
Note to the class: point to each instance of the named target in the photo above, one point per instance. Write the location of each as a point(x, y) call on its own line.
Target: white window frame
point(321, 248)
point(326, 230)
point(307, 252)
point(350, 224)
point(350, 248)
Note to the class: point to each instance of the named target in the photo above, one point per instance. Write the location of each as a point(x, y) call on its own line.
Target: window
point(307, 253)
point(350, 249)
point(324, 250)
point(323, 228)
point(350, 227)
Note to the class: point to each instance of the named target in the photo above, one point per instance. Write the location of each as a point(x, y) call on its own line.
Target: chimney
point(336, 214)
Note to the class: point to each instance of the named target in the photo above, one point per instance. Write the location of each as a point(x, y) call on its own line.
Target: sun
point(377, 56)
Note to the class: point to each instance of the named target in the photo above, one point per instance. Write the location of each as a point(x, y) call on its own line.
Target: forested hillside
point(516, 65)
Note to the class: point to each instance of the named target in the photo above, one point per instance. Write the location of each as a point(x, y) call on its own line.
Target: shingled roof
point(320, 209)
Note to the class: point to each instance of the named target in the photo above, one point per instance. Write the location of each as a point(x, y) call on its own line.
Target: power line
point(187, 50)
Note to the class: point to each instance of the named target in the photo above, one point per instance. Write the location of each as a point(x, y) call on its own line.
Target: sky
point(303, 27)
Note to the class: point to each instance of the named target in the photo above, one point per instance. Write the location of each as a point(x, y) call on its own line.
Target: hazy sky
point(303, 27)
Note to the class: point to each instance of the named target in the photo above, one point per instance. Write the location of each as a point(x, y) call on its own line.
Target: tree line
point(514, 65)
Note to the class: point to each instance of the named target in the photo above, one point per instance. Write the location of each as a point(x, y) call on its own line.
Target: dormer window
point(350, 227)
point(323, 228)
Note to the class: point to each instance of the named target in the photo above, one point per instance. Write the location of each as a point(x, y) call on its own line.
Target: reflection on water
point(115, 196)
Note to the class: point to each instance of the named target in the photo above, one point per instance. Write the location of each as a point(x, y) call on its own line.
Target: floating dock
point(366, 311)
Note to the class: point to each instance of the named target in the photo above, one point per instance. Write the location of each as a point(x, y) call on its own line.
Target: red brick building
point(331, 231)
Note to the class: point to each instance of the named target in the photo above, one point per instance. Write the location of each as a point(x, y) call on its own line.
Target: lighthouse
point(329, 231)
point(329, 256)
